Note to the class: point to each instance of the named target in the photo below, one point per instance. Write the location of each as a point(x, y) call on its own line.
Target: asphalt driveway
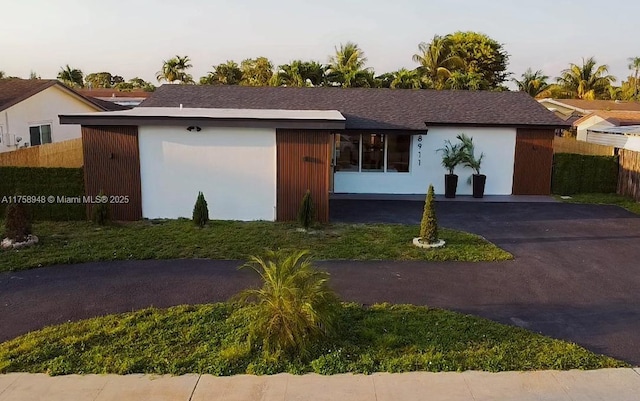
point(576, 275)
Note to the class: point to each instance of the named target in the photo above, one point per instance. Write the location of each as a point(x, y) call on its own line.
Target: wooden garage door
point(303, 163)
point(533, 162)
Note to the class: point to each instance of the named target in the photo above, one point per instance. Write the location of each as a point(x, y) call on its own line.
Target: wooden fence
point(571, 145)
point(59, 154)
point(629, 174)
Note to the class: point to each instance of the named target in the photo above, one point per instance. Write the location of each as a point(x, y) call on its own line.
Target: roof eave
point(498, 125)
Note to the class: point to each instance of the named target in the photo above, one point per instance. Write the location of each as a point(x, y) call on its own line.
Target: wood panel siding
point(112, 165)
point(572, 145)
point(533, 162)
point(303, 163)
point(629, 174)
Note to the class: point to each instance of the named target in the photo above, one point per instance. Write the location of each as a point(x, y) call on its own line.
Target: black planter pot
point(450, 185)
point(478, 185)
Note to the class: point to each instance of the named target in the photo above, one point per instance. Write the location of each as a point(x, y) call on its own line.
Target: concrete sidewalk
point(606, 384)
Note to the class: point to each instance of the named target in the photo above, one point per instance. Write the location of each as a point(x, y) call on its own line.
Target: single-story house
point(254, 152)
point(572, 110)
point(621, 137)
point(29, 110)
point(604, 119)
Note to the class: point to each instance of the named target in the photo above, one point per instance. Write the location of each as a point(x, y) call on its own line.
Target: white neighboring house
point(625, 137)
point(29, 110)
point(599, 126)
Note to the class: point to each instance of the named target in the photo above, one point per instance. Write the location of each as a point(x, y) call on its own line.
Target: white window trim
point(385, 155)
point(40, 125)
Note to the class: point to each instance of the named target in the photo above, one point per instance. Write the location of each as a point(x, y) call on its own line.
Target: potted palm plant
point(451, 157)
point(469, 160)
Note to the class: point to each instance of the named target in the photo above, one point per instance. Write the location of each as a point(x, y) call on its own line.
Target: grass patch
point(76, 242)
point(202, 339)
point(605, 199)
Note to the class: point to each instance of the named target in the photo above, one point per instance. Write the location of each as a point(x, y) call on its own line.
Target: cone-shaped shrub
point(17, 222)
point(306, 212)
point(429, 223)
point(100, 211)
point(200, 211)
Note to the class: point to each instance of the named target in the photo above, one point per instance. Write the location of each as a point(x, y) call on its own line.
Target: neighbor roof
point(586, 106)
point(627, 130)
point(392, 109)
point(15, 90)
point(614, 117)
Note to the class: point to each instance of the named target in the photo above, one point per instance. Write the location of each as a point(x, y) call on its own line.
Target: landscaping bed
point(76, 242)
point(204, 339)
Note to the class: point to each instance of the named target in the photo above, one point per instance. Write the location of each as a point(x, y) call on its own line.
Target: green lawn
point(203, 339)
point(605, 199)
point(75, 242)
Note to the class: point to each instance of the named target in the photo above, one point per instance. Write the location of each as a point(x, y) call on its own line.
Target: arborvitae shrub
point(100, 211)
point(429, 223)
point(200, 211)
point(306, 212)
point(17, 222)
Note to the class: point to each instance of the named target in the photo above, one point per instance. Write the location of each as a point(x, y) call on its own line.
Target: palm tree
point(174, 70)
point(588, 81)
point(459, 80)
point(347, 67)
point(295, 305)
point(406, 79)
point(71, 76)
point(256, 72)
point(634, 65)
point(437, 61)
point(292, 74)
point(228, 73)
point(534, 83)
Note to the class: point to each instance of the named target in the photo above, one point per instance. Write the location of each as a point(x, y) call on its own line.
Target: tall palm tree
point(347, 67)
point(175, 70)
point(534, 83)
point(228, 73)
point(71, 76)
point(634, 65)
point(406, 79)
point(437, 61)
point(588, 81)
point(301, 73)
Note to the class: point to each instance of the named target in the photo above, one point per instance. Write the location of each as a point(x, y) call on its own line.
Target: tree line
point(461, 60)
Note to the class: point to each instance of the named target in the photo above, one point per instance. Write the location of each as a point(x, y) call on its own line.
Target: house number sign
point(419, 150)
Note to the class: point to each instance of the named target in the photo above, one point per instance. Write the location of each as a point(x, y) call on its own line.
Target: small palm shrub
point(306, 212)
point(100, 211)
point(200, 211)
point(17, 222)
point(468, 153)
point(295, 306)
point(452, 155)
point(429, 223)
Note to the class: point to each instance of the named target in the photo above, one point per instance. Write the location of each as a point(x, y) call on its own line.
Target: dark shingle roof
point(402, 109)
point(107, 105)
point(15, 90)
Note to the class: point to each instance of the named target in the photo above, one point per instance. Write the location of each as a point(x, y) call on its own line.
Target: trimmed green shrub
point(306, 212)
point(41, 183)
point(200, 211)
point(100, 211)
point(573, 173)
point(294, 309)
point(17, 222)
point(429, 223)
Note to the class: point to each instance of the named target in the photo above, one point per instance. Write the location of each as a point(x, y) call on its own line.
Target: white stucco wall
point(583, 126)
point(40, 109)
point(235, 168)
point(497, 144)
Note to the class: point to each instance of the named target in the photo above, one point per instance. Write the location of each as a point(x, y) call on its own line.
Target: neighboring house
point(604, 119)
point(572, 110)
point(254, 152)
point(123, 98)
point(621, 137)
point(29, 110)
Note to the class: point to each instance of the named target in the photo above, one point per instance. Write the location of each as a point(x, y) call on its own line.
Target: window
point(373, 152)
point(40, 134)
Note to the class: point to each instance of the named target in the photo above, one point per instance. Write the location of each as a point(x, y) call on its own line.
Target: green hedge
point(573, 174)
point(40, 181)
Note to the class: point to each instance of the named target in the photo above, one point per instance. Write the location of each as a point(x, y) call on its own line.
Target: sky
point(132, 38)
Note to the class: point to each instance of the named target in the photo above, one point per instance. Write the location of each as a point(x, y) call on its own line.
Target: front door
point(533, 162)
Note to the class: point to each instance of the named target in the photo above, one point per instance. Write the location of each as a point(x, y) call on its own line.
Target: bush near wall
point(41, 181)
point(574, 173)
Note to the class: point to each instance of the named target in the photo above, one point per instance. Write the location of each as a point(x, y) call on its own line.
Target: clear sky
point(131, 38)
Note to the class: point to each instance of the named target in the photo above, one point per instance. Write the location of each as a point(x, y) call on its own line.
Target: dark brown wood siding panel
point(303, 163)
point(533, 162)
point(112, 165)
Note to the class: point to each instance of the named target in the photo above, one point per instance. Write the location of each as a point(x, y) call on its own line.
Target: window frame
point(385, 156)
point(39, 126)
